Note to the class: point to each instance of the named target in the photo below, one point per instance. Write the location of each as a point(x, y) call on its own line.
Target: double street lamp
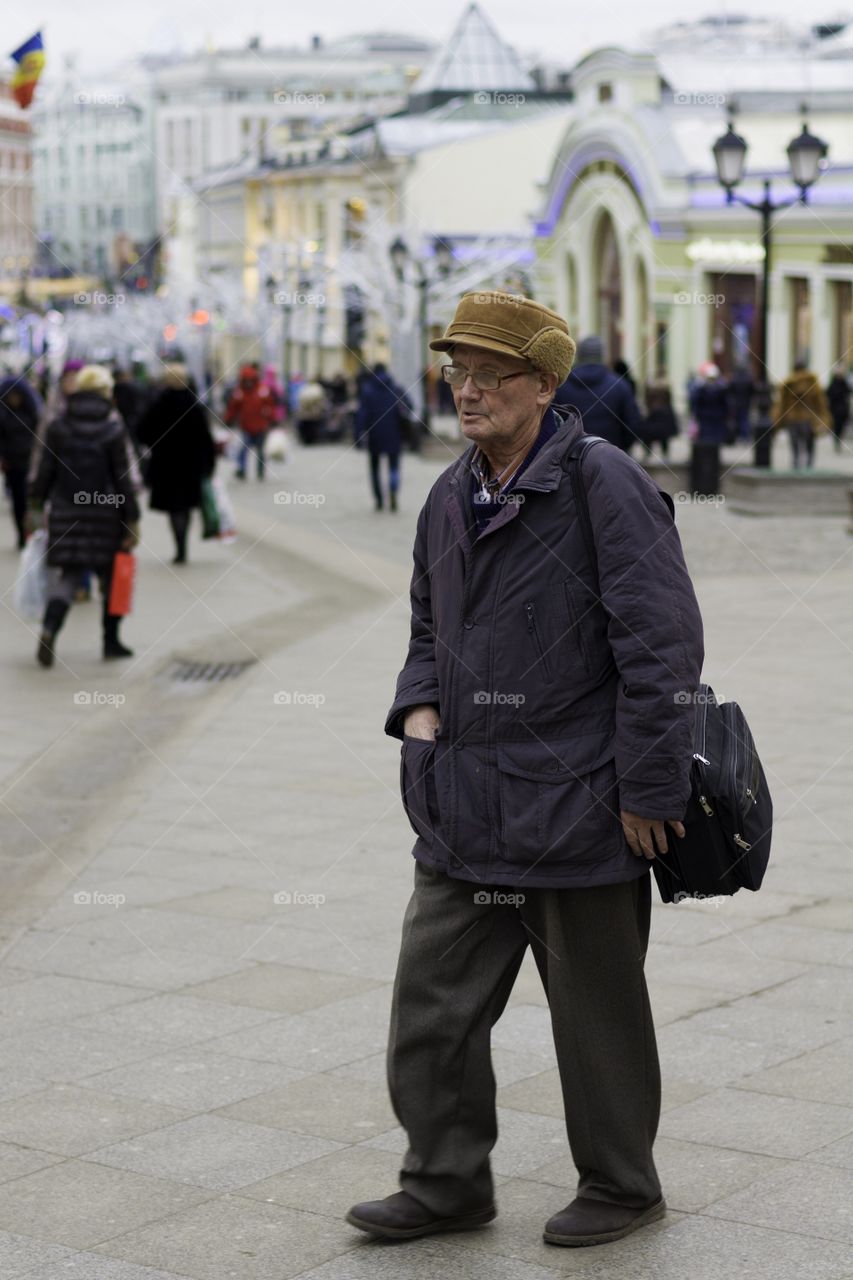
point(442, 252)
point(806, 154)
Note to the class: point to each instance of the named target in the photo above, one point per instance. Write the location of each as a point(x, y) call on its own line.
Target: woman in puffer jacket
point(86, 478)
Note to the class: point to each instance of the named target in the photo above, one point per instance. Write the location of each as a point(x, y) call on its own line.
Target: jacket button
point(468, 624)
point(457, 746)
point(555, 766)
point(672, 767)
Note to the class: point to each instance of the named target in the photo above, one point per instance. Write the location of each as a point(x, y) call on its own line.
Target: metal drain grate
point(188, 672)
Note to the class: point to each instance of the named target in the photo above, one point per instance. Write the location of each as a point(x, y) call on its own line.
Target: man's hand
point(421, 722)
point(647, 836)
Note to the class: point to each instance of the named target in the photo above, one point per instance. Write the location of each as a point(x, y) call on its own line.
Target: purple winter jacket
point(557, 708)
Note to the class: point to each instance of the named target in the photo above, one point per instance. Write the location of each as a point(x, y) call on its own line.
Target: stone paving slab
point(250, 1034)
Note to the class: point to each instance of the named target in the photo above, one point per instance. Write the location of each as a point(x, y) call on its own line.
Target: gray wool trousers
point(459, 958)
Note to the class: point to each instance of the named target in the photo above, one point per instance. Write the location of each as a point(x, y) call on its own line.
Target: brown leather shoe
point(402, 1217)
point(586, 1221)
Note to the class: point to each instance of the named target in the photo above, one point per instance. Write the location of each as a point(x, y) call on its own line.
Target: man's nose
point(469, 389)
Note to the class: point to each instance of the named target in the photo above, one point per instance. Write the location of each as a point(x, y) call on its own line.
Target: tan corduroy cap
point(514, 326)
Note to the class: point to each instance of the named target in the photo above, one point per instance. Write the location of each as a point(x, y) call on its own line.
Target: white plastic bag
point(276, 449)
point(225, 510)
point(31, 582)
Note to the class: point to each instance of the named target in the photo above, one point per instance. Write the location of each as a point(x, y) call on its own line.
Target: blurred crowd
point(77, 453)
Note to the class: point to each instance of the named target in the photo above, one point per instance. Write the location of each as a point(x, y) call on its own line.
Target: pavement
point(203, 888)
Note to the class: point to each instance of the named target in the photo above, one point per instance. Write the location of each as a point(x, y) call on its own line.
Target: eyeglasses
point(483, 380)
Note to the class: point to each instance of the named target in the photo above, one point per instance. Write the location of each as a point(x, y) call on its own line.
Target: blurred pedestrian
point(660, 423)
point(604, 400)
point(312, 408)
point(20, 410)
point(85, 477)
point(381, 405)
point(252, 408)
point(621, 369)
point(709, 404)
point(741, 393)
point(129, 397)
point(182, 452)
point(838, 397)
point(270, 379)
point(801, 407)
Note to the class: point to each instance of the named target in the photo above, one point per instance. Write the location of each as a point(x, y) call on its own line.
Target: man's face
point(494, 417)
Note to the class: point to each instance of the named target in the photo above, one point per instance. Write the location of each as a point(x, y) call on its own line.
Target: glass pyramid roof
point(474, 59)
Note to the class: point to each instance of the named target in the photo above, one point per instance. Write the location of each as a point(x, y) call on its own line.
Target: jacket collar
point(543, 475)
point(544, 472)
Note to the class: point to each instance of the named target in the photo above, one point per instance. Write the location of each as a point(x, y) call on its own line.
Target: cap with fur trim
point(514, 326)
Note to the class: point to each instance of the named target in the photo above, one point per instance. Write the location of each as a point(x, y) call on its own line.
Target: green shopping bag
point(209, 511)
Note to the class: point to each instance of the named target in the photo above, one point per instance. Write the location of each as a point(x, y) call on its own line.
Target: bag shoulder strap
point(573, 462)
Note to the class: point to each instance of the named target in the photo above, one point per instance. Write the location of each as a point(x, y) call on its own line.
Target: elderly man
point(546, 729)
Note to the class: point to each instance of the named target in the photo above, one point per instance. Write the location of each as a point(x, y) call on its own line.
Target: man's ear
point(548, 383)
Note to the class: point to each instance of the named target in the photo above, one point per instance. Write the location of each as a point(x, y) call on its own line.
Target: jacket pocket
point(417, 785)
point(558, 800)
point(539, 652)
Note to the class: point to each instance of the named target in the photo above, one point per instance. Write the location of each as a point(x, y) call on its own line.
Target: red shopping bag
point(121, 587)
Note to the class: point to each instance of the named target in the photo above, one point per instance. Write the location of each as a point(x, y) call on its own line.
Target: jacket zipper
point(534, 631)
point(575, 616)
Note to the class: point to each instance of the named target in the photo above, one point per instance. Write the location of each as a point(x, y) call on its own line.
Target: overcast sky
point(104, 34)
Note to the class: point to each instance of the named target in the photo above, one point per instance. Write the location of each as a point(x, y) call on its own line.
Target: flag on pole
point(30, 60)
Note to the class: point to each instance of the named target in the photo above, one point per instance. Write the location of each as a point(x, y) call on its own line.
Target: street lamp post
point(443, 255)
point(805, 155)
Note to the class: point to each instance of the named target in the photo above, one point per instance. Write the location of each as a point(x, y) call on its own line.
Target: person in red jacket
point(252, 407)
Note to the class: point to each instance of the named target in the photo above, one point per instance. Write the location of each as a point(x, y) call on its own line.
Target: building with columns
point(635, 239)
